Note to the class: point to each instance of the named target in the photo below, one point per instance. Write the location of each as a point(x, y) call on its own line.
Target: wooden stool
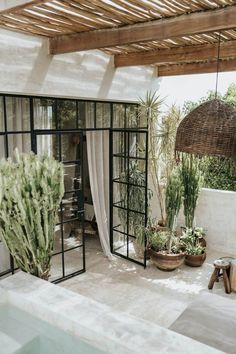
point(219, 265)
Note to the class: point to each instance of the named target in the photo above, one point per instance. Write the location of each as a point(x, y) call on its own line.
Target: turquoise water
point(34, 336)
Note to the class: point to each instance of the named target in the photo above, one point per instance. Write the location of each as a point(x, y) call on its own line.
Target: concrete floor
point(149, 294)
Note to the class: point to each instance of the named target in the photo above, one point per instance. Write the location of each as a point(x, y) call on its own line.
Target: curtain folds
point(98, 163)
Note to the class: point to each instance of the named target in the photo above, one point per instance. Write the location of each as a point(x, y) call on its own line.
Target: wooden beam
point(196, 68)
point(177, 55)
point(184, 25)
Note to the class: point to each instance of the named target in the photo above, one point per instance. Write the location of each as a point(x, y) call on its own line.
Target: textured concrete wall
point(26, 67)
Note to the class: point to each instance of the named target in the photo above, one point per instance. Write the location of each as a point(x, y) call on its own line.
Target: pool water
point(22, 333)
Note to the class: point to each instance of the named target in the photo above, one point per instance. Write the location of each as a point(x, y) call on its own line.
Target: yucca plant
point(31, 188)
point(162, 129)
point(192, 180)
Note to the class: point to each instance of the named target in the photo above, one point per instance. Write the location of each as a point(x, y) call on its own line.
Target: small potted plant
point(194, 244)
point(165, 248)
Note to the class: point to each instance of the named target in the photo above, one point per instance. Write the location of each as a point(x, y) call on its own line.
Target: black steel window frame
point(126, 157)
point(33, 132)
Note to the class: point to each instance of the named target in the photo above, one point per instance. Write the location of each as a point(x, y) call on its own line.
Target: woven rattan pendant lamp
point(210, 129)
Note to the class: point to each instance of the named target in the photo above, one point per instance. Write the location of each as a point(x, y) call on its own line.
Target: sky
point(178, 89)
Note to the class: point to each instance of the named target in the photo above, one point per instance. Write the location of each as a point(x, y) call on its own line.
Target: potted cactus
point(192, 179)
point(194, 243)
point(165, 248)
point(31, 188)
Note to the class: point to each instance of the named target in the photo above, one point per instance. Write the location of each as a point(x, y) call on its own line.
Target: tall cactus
point(192, 180)
point(31, 188)
point(173, 201)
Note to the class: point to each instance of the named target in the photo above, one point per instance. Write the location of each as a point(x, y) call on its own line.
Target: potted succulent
point(31, 188)
point(194, 243)
point(165, 248)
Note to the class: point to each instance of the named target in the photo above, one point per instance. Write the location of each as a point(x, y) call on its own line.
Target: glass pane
point(1, 114)
point(72, 203)
point(2, 147)
point(136, 199)
point(120, 168)
point(120, 219)
point(120, 194)
point(118, 115)
point(20, 141)
point(120, 143)
point(73, 260)
point(71, 146)
point(72, 177)
point(48, 144)
point(66, 114)
point(132, 120)
point(136, 251)
point(120, 243)
point(137, 173)
point(56, 267)
point(137, 145)
point(136, 221)
point(73, 234)
point(57, 239)
point(89, 114)
point(82, 106)
point(18, 113)
point(103, 115)
point(44, 113)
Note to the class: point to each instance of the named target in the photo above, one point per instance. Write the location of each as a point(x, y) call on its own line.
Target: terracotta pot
point(195, 261)
point(166, 261)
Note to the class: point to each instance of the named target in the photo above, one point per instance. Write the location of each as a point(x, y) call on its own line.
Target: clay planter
point(166, 261)
point(195, 261)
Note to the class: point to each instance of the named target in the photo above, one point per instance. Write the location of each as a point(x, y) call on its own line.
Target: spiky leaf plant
point(192, 180)
point(31, 188)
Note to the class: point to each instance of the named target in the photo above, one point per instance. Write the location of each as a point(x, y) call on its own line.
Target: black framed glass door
point(128, 193)
point(69, 250)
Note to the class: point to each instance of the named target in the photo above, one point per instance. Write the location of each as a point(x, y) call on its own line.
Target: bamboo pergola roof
point(173, 34)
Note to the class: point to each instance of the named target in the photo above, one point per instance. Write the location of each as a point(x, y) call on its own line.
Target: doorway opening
point(101, 145)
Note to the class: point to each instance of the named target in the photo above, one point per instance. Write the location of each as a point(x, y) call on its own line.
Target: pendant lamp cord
point(218, 64)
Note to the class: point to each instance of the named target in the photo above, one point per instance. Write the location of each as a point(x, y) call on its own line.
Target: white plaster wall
point(26, 67)
point(6, 4)
point(215, 212)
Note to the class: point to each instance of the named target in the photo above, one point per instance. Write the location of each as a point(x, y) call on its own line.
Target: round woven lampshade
point(210, 129)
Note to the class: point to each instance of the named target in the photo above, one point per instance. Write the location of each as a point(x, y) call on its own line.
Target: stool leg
point(218, 275)
point(226, 282)
point(213, 278)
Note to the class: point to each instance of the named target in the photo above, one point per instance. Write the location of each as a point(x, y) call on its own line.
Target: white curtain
point(98, 163)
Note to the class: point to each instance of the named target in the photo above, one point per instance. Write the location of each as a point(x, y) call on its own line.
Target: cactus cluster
point(192, 180)
point(174, 196)
point(31, 188)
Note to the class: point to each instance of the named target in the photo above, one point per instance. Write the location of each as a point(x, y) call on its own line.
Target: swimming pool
point(23, 333)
